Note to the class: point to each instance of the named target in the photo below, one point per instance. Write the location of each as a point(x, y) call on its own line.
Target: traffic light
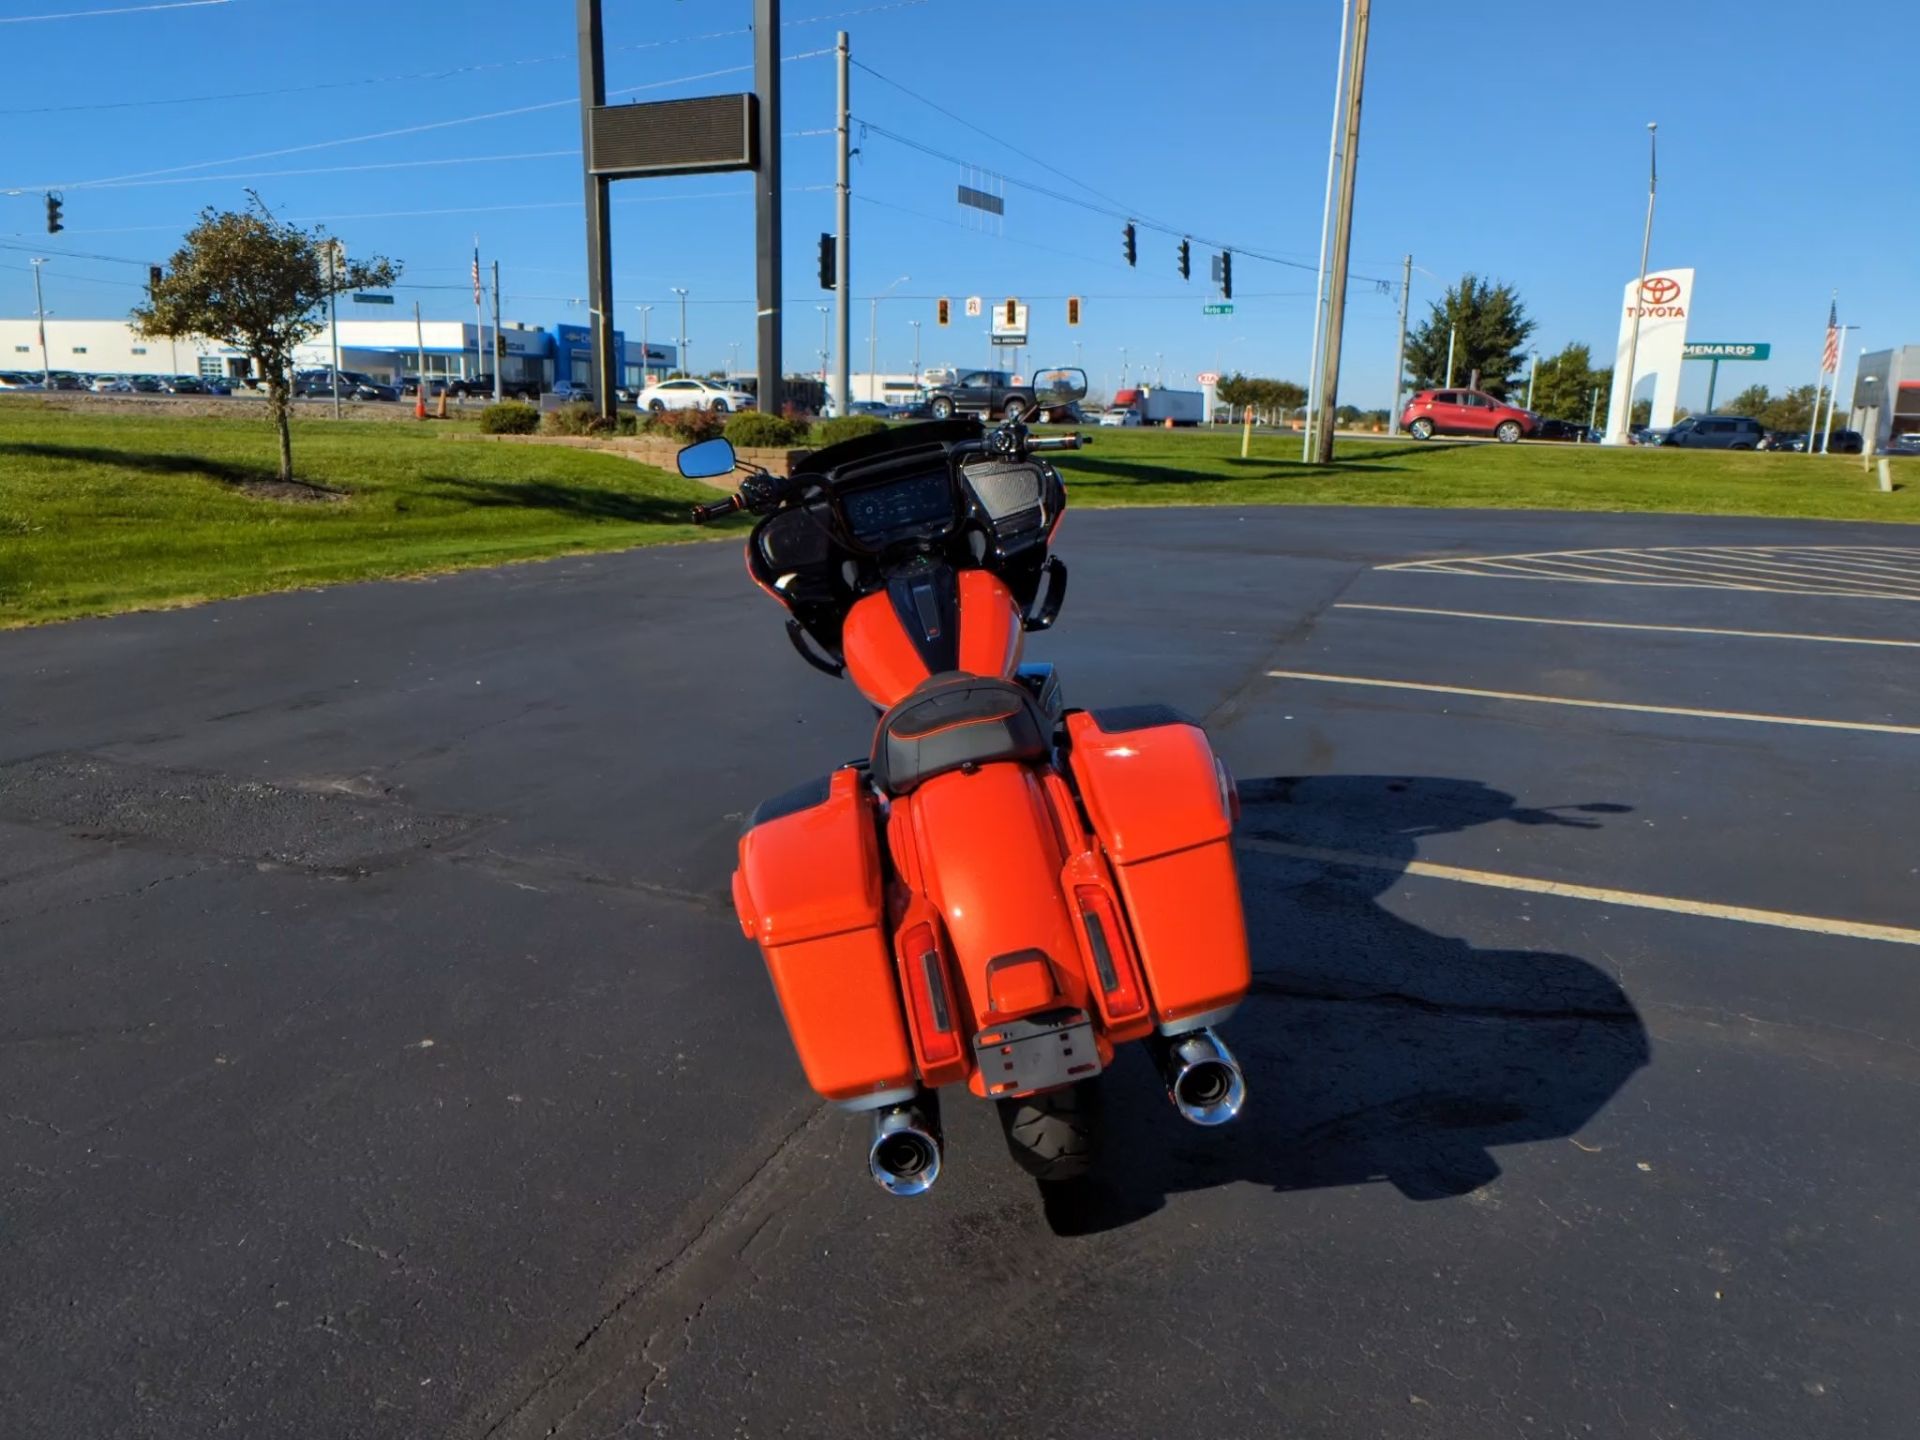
point(1073, 309)
point(1126, 243)
point(499, 345)
point(943, 312)
point(54, 227)
point(1013, 308)
point(153, 280)
point(1226, 274)
point(1186, 260)
point(829, 261)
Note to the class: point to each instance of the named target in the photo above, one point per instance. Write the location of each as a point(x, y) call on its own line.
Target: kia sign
point(1660, 304)
point(1208, 377)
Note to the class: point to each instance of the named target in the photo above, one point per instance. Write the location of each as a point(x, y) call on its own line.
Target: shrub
point(685, 425)
point(750, 428)
point(573, 420)
point(848, 427)
point(512, 418)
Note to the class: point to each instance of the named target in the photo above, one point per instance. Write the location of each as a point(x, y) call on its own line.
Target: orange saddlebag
point(808, 890)
point(1162, 806)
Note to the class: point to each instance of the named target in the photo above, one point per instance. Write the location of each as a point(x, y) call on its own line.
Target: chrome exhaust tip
point(1203, 1079)
point(905, 1154)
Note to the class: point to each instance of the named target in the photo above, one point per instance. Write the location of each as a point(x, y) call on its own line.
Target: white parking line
point(1672, 904)
point(1624, 625)
point(1878, 572)
point(1801, 720)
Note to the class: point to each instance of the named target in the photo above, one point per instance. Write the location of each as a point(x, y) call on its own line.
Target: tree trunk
point(278, 404)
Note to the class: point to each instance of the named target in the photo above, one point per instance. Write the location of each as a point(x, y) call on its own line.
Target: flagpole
point(1833, 394)
point(1820, 384)
point(479, 315)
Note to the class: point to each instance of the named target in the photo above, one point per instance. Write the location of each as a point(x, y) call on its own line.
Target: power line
point(869, 126)
point(117, 10)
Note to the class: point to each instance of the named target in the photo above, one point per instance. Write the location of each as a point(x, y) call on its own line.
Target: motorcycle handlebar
point(718, 510)
point(1061, 442)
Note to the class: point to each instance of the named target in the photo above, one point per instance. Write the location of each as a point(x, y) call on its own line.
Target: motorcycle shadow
point(1375, 1050)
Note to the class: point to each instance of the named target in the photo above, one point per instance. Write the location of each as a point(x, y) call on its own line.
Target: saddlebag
point(808, 890)
point(1162, 806)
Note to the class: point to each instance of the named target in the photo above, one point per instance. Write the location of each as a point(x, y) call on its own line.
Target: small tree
point(1791, 411)
point(256, 283)
point(1751, 401)
point(1490, 327)
point(1564, 388)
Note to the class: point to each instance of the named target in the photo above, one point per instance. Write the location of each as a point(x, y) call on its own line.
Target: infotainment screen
point(917, 500)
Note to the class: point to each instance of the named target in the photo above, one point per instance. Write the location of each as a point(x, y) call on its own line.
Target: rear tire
point(1055, 1136)
point(1421, 429)
point(941, 408)
point(1507, 432)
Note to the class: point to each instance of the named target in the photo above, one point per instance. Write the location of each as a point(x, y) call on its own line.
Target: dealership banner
point(1662, 302)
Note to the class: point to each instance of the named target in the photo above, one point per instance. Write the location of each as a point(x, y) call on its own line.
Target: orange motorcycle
point(1006, 889)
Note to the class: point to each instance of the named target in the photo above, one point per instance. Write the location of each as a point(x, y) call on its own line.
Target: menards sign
point(1727, 350)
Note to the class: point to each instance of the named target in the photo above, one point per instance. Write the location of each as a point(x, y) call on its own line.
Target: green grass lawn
point(104, 512)
point(1162, 467)
point(100, 513)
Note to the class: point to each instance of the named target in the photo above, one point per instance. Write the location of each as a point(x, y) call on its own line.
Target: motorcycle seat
point(954, 721)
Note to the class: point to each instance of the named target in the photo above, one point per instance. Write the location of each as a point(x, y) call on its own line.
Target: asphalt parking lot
point(379, 1055)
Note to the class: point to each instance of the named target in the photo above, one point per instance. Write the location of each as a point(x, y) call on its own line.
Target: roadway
point(379, 1055)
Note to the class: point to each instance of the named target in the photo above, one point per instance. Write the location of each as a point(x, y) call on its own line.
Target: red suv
point(1466, 412)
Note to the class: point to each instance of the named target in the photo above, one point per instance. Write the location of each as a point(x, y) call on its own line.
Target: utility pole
point(1400, 350)
point(593, 94)
point(1326, 213)
point(842, 261)
point(1343, 234)
point(1593, 411)
point(1533, 369)
point(333, 318)
point(498, 356)
point(766, 73)
point(646, 347)
point(1624, 428)
point(916, 353)
point(420, 344)
point(1453, 334)
point(40, 315)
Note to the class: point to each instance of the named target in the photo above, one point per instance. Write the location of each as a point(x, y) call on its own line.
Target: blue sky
point(1507, 142)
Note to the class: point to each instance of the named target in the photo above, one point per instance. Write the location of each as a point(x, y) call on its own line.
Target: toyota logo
point(1659, 291)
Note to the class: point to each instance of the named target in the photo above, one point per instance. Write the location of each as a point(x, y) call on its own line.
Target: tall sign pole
point(842, 263)
point(766, 189)
point(499, 349)
point(1624, 424)
point(1343, 235)
point(593, 93)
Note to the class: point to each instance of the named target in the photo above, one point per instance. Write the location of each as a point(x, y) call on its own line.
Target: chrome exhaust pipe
point(905, 1154)
point(1203, 1079)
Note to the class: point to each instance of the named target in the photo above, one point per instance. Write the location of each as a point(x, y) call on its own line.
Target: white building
point(383, 348)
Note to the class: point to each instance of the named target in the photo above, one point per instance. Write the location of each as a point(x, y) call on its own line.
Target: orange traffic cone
point(420, 403)
point(443, 405)
point(1167, 424)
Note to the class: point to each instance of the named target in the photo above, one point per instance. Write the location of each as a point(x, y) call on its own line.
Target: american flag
point(476, 276)
point(1830, 358)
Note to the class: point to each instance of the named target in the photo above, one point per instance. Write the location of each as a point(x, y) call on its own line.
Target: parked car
point(693, 394)
point(1564, 430)
point(989, 393)
point(18, 380)
point(147, 384)
point(217, 384)
point(1466, 412)
point(1120, 415)
point(572, 392)
point(1907, 444)
point(185, 385)
point(1716, 432)
point(436, 385)
point(66, 380)
point(1842, 442)
point(111, 385)
point(480, 387)
point(1646, 435)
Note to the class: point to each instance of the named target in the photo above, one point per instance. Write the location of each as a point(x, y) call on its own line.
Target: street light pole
point(1533, 370)
point(826, 351)
point(1342, 235)
point(916, 353)
point(646, 349)
point(873, 340)
point(1620, 432)
point(40, 316)
point(1400, 349)
point(1326, 217)
point(686, 366)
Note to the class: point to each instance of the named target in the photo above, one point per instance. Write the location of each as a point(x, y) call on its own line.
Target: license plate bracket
point(1037, 1052)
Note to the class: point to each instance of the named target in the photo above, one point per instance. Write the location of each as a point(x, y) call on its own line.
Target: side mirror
point(1059, 387)
point(707, 459)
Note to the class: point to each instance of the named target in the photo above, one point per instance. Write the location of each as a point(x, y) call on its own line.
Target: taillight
point(1120, 989)
point(928, 995)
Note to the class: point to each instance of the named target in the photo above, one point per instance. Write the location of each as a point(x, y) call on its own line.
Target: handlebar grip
point(718, 510)
point(1060, 442)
